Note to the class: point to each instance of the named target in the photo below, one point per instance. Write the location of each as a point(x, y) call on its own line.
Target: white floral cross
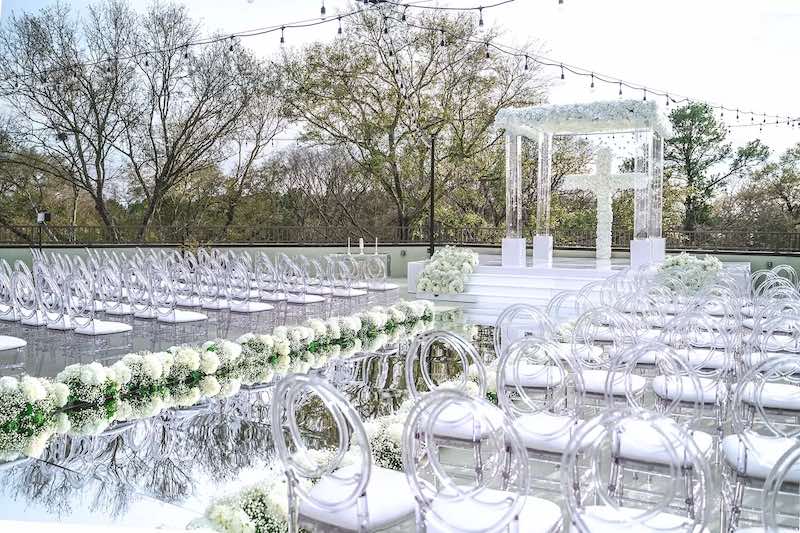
point(603, 184)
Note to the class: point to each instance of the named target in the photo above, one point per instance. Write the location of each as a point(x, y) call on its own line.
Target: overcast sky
point(740, 53)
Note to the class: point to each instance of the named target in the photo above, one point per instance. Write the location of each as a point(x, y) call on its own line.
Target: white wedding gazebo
point(638, 129)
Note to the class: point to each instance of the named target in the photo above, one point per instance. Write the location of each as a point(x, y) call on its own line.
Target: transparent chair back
point(292, 446)
point(534, 378)
point(7, 312)
point(429, 351)
point(591, 454)
point(26, 301)
point(79, 298)
point(520, 320)
point(780, 496)
point(496, 480)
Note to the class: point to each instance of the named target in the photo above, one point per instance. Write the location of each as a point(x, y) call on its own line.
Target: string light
point(322, 9)
point(667, 98)
point(592, 84)
point(562, 71)
point(526, 62)
point(385, 25)
point(441, 42)
point(282, 30)
point(620, 88)
point(737, 114)
point(340, 25)
point(644, 95)
point(487, 49)
point(480, 16)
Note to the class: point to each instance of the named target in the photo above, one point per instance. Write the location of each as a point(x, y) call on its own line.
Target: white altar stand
point(493, 287)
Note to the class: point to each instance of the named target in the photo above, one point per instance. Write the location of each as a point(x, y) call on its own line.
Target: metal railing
point(712, 240)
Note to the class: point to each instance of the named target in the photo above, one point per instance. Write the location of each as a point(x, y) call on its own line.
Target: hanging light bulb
point(487, 49)
point(737, 114)
point(763, 119)
point(322, 9)
point(230, 48)
point(667, 96)
point(526, 62)
point(644, 95)
point(403, 17)
point(282, 30)
point(591, 86)
point(391, 52)
point(562, 71)
point(339, 31)
point(721, 113)
point(385, 25)
point(480, 16)
point(620, 88)
point(441, 41)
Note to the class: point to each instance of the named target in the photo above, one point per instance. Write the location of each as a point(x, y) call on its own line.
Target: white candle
point(348, 246)
point(361, 245)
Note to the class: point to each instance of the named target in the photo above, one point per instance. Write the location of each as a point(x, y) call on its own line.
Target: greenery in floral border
point(87, 398)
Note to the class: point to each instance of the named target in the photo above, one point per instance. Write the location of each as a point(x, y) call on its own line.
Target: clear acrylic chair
point(779, 503)
point(540, 390)
point(493, 496)
point(346, 497)
point(520, 320)
point(600, 506)
point(765, 410)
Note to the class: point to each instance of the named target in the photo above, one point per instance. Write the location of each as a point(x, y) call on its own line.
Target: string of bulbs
point(669, 97)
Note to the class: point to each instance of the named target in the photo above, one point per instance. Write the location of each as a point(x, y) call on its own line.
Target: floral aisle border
point(447, 271)
point(263, 507)
point(86, 398)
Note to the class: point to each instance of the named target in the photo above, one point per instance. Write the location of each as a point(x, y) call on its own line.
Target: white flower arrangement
point(92, 383)
point(143, 384)
point(590, 117)
point(691, 271)
point(447, 271)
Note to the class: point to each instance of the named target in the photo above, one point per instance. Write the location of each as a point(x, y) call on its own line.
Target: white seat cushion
point(640, 441)
point(319, 289)
point(594, 382)
point(545, 432)
point(251, 307)
point(457, 422)
point(188, 301)
point(708, 358)
point(103, 327)
point(683, 388)
point(754, 455)
point(533, 376)
point(486, 509)
point(389, 499)
point(62, 324)
point(181, 316)
point(780, 343)
point(216, 305)
point(146, 314)
point(773, 396)
point(580, 351)
point(11, 343)
point(37, 319)
point(345, 293)
point(382, 286)
point(117, 309)
point(604, 519)
point(274, 297)
point(9, 315)
point(304, 299)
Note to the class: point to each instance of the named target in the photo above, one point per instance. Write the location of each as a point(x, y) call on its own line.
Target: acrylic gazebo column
point(543, 240)
point(513, 249)
point(654, 224)
point(641, 246)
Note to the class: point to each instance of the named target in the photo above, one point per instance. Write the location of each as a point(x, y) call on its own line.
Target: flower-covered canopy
point(593, 117)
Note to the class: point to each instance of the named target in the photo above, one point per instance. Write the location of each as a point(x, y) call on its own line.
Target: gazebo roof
point(593, 117)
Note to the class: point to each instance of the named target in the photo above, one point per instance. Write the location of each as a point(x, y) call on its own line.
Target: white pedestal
point(542, 250)
point(513, 252)
point(641, 253)
point(415, 268)
point(658, 249)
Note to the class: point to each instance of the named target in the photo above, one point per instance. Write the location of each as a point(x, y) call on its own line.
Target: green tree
point(702, 162)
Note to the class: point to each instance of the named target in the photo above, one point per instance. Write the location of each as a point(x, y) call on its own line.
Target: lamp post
point(431, 221)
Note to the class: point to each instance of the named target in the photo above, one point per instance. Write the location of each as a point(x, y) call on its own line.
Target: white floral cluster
point(263, 507)
point(447, 271)
point(93, 383)
point(691, 271)
point(584, 118)
point(27, 419)
point(141, 385)
point(385, 434)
